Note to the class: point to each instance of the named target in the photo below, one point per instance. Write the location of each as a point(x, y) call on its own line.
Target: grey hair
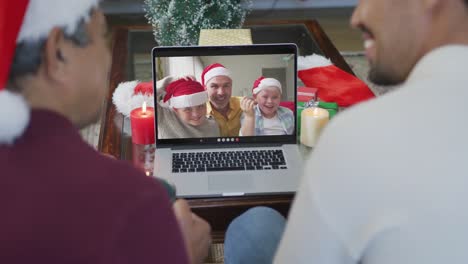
point(29, 54)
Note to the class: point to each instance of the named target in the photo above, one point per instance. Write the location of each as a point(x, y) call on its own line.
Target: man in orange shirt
point(224, 107)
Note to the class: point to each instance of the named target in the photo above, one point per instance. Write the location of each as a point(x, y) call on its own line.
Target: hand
point(195, 230)
point(247, 105)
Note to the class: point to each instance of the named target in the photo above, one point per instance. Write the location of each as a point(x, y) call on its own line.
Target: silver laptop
point(231, 165)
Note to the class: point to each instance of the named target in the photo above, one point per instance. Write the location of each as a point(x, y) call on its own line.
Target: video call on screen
point(244, 70)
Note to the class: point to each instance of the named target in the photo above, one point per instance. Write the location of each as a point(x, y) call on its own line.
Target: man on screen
point(222, 105)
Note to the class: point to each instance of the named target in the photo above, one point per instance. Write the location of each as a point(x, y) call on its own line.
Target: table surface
point(131, 48)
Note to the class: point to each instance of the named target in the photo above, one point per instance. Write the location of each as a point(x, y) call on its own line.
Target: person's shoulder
point(285, 111)
point(235, 101)
point(211, 121)
point(367, 118)
point(211, 127)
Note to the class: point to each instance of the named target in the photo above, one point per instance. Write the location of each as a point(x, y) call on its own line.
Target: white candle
point(313, 120)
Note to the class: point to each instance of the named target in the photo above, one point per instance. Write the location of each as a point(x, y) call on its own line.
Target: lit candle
point(313, 120)
point(142, 122)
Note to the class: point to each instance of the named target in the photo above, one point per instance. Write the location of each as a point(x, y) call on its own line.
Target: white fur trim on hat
point(43, 15)
point(267, 82)
point(189, 100)
point(125, 100)
point(312, 61)
point(14, 116)
point(218, 71)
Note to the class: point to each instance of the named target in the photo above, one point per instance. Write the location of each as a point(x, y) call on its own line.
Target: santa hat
point(130, 95)
point(29, 20)
point(262, 83)
point(214, 70)
point(332, 83)
point(185, 93)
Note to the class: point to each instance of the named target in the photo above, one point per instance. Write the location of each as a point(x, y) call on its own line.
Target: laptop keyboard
point(228, 161)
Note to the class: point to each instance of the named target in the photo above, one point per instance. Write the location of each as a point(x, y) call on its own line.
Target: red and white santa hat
point(29, 20)
point(213, 70)
point(130, 95)
point(185, 93)
point(262, 83)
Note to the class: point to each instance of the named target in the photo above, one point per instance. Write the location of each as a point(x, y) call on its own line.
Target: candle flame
point(144, 108)
point(148, 173)
point(316, 111)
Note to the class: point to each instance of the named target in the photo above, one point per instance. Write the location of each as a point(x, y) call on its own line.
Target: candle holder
point(143, 157)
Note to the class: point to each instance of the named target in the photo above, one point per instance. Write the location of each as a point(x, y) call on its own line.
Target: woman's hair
point(28, 54)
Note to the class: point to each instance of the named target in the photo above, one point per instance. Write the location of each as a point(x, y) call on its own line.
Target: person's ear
point(55, 61)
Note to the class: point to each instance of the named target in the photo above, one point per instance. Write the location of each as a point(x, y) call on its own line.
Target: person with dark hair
point(385, 182)
point(60, 200)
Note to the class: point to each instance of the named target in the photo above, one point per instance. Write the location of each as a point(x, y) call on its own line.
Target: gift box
point(331, 107)
point(221, 37)
point(306, 94)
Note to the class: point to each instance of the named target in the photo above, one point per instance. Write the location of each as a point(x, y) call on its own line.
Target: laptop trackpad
point(230, 182)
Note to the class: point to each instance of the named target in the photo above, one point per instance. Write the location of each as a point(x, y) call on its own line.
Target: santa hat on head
point(29, 20)
point(185, 93)
point(262, 83)
point(213, 70)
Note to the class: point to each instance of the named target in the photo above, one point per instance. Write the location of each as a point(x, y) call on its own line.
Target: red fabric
point(145, 88)
point(288, 104)
point(336, 85)
point(182, 87)
point(71, 204)
point(11, 19)
point(208, 68)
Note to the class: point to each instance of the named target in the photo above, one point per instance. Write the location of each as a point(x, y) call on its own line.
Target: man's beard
point(382, 77)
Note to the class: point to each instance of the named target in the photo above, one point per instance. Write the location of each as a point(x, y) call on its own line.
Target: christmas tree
point(178, 22)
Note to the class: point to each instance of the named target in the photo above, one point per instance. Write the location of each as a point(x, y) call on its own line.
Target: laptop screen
point(225, 95)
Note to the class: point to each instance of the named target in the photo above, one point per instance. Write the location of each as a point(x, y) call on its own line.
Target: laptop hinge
point(250, 145)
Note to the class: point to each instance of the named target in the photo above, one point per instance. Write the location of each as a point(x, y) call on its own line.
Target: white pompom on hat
point(131, 95)
point(29, 20)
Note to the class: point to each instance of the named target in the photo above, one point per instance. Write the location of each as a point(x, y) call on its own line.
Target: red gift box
point(305, 94)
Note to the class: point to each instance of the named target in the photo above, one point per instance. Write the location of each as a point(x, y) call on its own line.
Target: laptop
point(230, 165)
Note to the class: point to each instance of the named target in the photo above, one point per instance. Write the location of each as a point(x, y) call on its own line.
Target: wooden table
point(129, 41)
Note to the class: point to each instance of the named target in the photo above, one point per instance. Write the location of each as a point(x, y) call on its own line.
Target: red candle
point(142, 122)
